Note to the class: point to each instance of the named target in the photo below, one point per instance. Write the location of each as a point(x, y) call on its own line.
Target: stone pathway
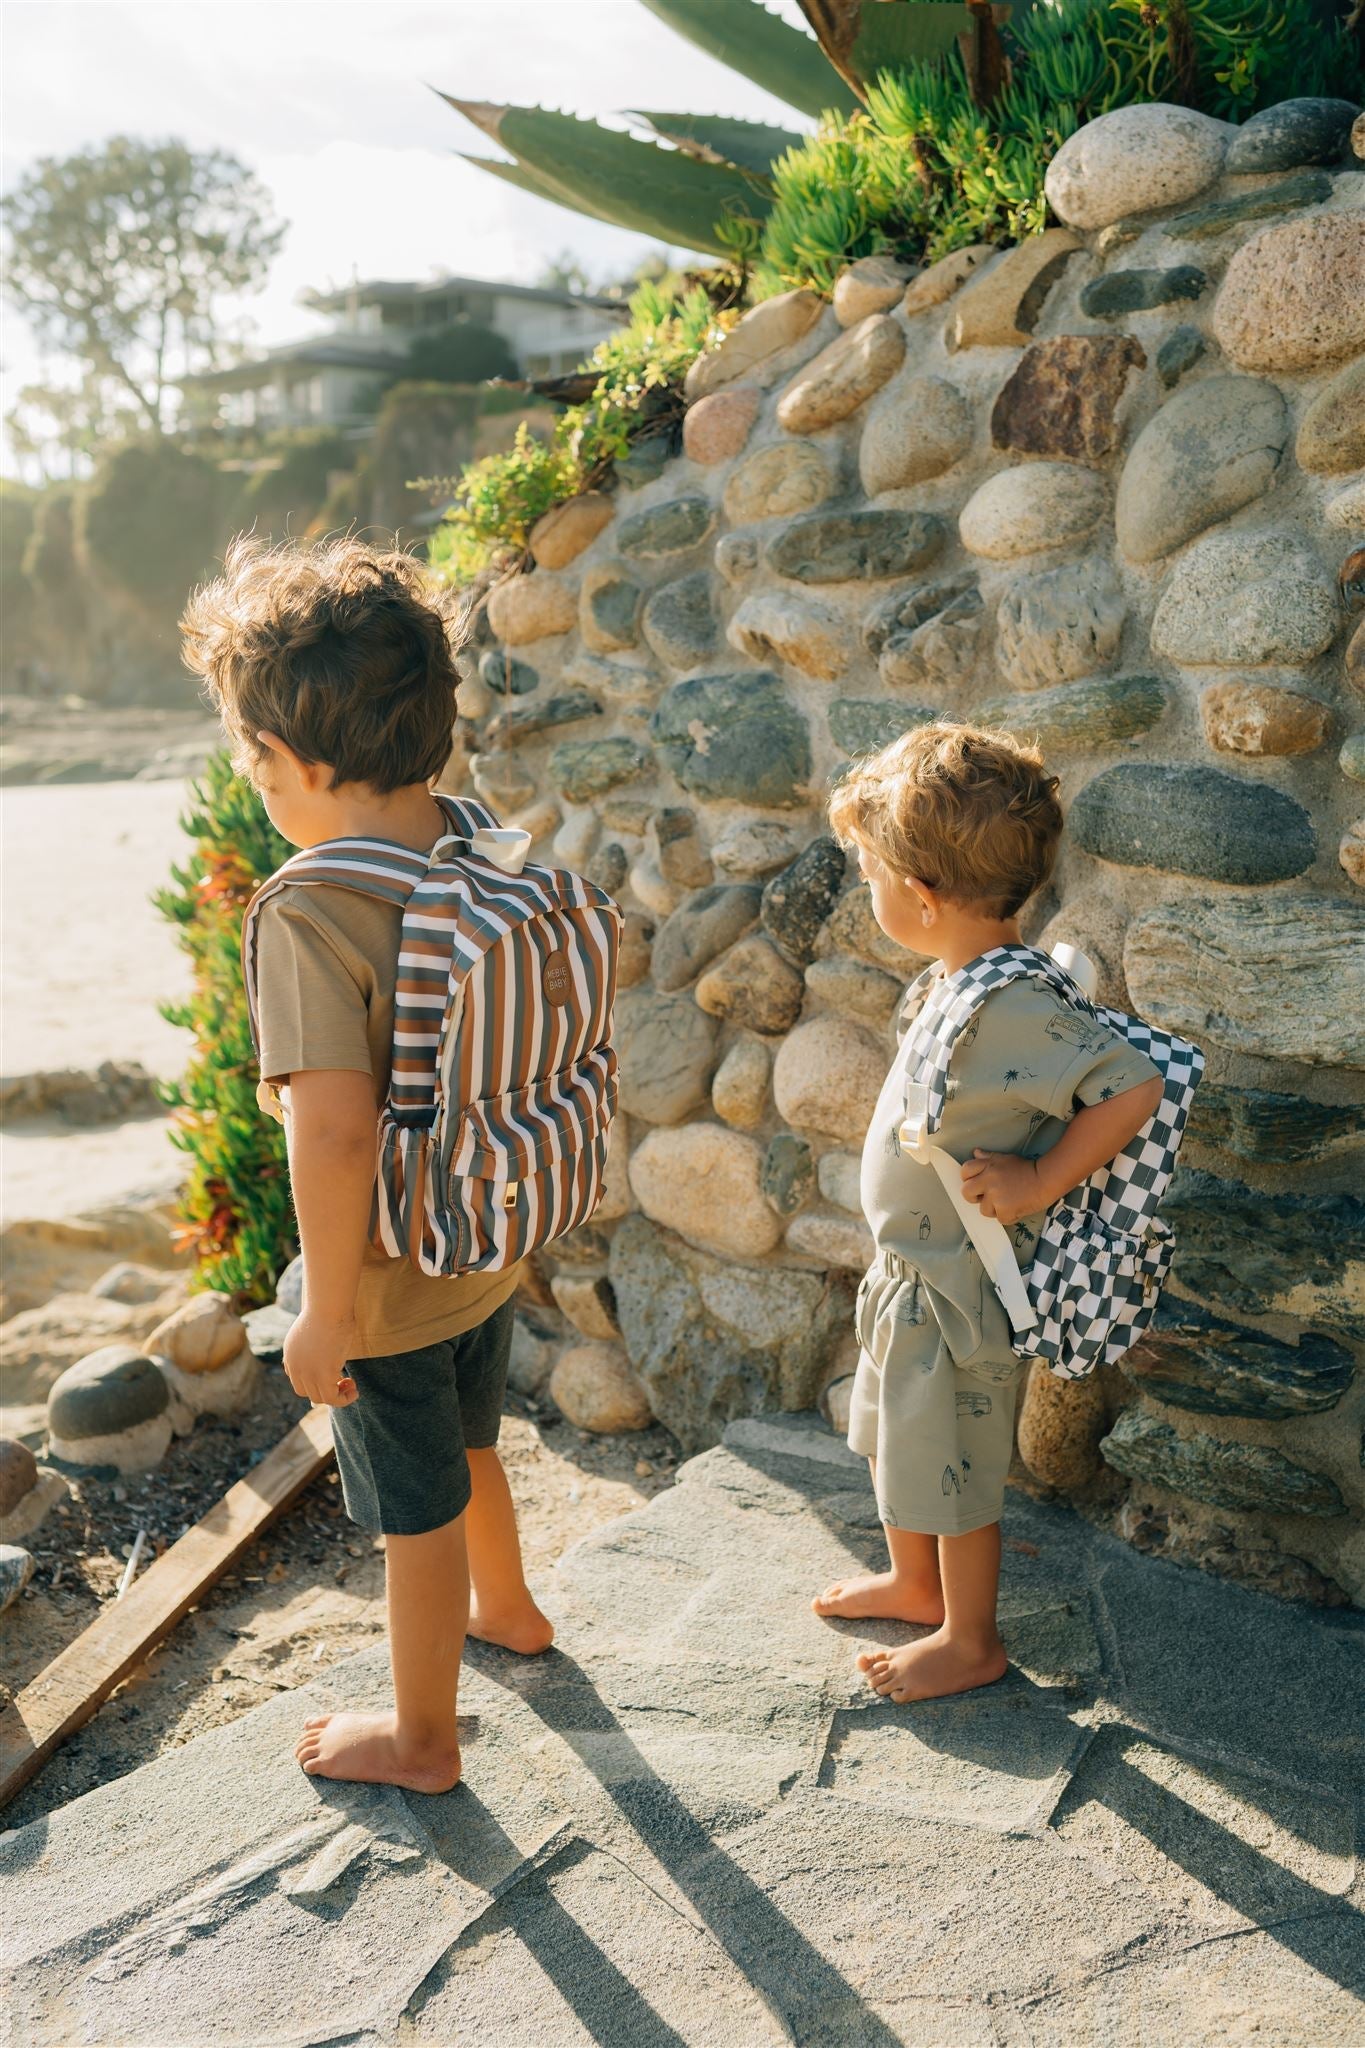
point(691, 1824)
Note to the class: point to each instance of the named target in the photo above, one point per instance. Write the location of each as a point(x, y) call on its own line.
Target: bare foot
point(931, 1669)
point(368, 1750)
point(523, 1629)
point(883, 1596)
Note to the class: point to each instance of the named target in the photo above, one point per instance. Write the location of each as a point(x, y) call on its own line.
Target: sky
point(331, 105)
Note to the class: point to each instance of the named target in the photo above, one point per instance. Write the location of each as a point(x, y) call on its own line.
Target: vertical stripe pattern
point(494, 1136)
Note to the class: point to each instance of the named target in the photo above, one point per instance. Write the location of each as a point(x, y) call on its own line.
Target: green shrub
point(151, 520)
point(639, 372)
point(236, 1211)
point(925, 169)
point(18, 516)
point(49, 558)
point(287, 497)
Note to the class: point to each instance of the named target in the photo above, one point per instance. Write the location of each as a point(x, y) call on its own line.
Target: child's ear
point(926, 898)
point(310, 775)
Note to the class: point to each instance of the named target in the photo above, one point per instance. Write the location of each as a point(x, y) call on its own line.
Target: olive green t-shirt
point(1021, 1069)
point(327, 963)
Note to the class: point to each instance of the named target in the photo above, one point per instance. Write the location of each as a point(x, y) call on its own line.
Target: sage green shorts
point(942, 1436)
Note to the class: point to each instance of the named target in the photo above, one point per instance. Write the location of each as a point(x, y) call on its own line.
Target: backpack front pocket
point(528, 1165)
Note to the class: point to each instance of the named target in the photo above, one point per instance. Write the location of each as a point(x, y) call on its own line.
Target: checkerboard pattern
point(1101, 1260)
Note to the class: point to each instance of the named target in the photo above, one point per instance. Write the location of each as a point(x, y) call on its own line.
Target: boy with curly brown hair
point(334, 673)
point(955, 830)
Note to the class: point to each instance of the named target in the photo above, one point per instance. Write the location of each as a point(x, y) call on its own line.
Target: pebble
point(913, 431)
point(796, 903)
point(787, 1177)
point(756, 846)
point(673, 527)
point(1351, 759)
point(111, 1408)
point(774, 324)
point(941, 652)
point(1192, 821)
point(1000, 306)
point(932, 286)
point(506, 675)
point(856, 547)
point(1242, 716)
point(827, 1076)
point(1060, 1426)
point(594, 1386)
point(860, 991)
point(561, 534)
point(735, 736)
point(754, 987)
point(666, 1048)
point(1246, 1478)
point(1220, 216)
point(838, 1241)
point(1180, 351)
point(582, 769)
point(1057, 626)
point(1351, 852)
point(1253, 598)
point(1098, 712)
point(624, 686)
point(529, 608)
point(873, 284)
point(798, 632)
point(1212, 448)
point(588, 1302)
point(18, 1473)
point(1301, 131)
point(864, 725)
point(1064, 395)
point(680, 624)
point(1331, 436)
point(839, 1178)
point(705, 1182)
point(1133, 160)
point(843, 376)
point(678, 847)
point(1293, 298)
point(609, 607)
point(1276, 976)
point(521, 722)
point(737, 556)
point(17, 1567)
point(1137, 291)
point(780, 483)
point(739, 1093)
point(717, 427)
point(700, 928)
point(1038, 505)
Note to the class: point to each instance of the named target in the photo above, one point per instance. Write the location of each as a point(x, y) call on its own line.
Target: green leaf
point(783, 60)
point(527, 181)
point(716, 138)
point(894, 33)
point(657, 192)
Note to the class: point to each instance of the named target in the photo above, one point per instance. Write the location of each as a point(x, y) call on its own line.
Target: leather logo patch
point(556, 979)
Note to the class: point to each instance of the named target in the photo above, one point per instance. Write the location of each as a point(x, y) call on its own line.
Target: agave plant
point(696, 180)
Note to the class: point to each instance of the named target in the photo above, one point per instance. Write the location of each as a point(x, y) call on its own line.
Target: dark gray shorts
point(401, 1446)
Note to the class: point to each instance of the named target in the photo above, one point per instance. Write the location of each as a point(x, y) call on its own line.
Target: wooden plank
point(66, 1695)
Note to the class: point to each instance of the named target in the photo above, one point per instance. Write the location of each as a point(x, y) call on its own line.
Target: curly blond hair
point(342, 650)
point(971, 813)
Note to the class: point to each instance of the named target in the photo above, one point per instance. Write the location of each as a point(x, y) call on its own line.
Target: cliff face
point(1108, 489)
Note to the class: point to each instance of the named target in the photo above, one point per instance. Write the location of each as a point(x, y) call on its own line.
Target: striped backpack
point(1104, 1253)
point(494, 1136)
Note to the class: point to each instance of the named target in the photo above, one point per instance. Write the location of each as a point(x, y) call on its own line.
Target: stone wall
point(1108, 489)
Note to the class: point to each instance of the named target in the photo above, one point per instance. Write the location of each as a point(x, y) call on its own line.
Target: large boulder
point(112, 1408)
point(704, 1181)
point(827, 1076)
point(1134, 160)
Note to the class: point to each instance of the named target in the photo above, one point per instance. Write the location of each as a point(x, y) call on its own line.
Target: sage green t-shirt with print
point(1020, 1070)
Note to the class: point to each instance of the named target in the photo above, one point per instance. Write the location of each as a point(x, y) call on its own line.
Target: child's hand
point(315, 1355)
point(1003, 1185)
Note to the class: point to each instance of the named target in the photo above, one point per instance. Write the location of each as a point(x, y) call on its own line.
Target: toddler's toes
point(867, 1660)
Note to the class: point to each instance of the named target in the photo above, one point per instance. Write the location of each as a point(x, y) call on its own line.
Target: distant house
point(335, 379)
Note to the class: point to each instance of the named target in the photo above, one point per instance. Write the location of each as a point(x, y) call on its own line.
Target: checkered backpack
point(1104, 1253)
point(494, 1137)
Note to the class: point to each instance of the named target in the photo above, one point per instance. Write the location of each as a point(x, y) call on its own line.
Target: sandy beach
point(85, 961)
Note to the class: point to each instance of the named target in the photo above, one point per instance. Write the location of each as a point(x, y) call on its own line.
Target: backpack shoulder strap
point(950, 1007)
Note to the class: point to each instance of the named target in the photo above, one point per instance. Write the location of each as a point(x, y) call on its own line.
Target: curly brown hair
point(971, 813)
point(345, 652)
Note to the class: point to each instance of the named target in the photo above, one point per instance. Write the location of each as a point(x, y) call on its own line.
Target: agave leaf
point(717, 139)
point(658, 192)
point(863, 37)
point(758, 45)
point(527, 181)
